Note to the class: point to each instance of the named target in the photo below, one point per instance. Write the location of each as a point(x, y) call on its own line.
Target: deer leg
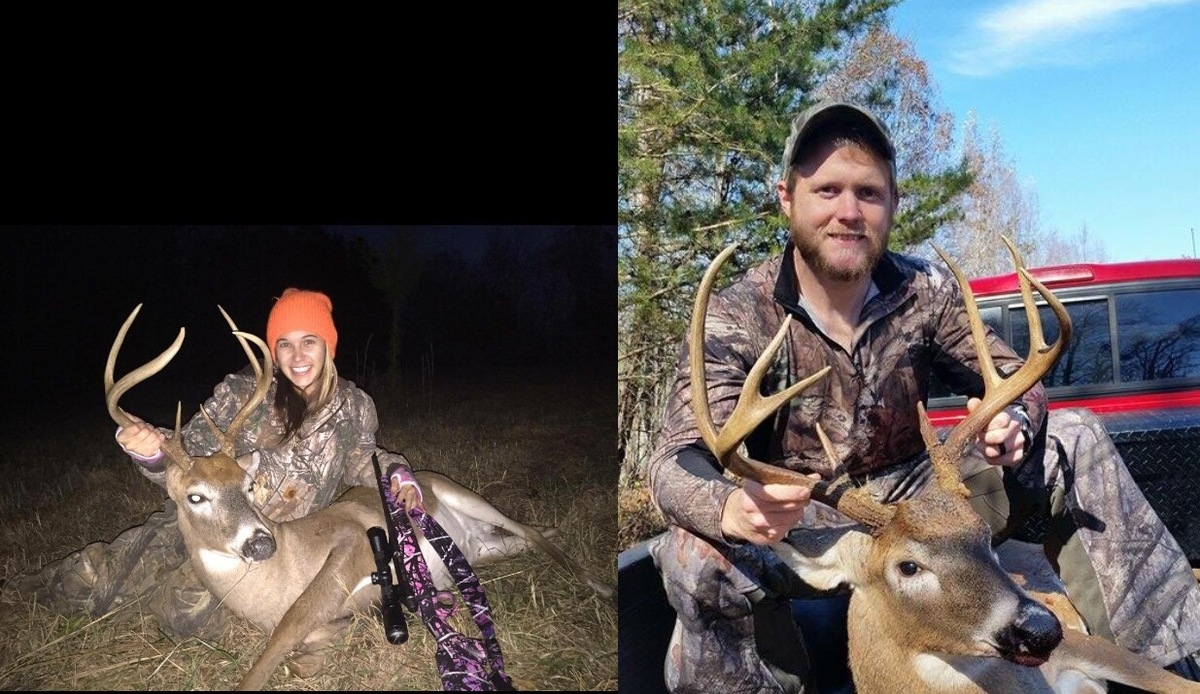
point(459, 507)
point(322, 603)
point(491, 544)
point(310, 655)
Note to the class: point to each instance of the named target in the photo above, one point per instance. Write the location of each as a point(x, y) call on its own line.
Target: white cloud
point(1031, 32)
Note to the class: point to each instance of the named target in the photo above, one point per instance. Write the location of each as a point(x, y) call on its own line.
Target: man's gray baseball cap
point(815, 117)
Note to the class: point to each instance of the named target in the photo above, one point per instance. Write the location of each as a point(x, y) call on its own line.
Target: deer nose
point(259, 547)
point(1030, 638)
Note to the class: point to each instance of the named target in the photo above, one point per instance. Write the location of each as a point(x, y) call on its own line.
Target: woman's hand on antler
point(1001, 442)
point(140, 438)
point(764, 513)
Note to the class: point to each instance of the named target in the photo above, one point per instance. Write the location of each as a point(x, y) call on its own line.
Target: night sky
point(478, 298)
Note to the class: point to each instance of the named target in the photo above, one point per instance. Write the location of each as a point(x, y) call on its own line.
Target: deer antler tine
point(827, 445)
point(226, 443)
point(752, 408)
point(116, 347)
point(704, 422)
point(1033, 316)
point(978, 334)
point(260, 391)
point(927, 431)
point(114, 391)
point(242, 340)
point(173, 447)
point(1037, 339)
point(999, 390)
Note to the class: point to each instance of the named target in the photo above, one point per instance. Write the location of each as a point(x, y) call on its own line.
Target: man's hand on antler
point(764, 513)
point(1001, 442)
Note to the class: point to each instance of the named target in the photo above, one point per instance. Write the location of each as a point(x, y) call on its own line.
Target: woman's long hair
point(291, 403)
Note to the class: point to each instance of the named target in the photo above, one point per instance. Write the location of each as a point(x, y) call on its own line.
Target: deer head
point(923, 570)
point(211, 491)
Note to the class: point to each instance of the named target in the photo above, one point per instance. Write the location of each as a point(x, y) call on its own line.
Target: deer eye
point(908, 568)
point(196, 498)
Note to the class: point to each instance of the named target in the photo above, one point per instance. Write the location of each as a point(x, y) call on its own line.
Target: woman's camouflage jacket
point(302, 474)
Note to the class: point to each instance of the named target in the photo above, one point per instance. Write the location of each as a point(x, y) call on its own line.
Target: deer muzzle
point(1031, 637)
point(260, 546)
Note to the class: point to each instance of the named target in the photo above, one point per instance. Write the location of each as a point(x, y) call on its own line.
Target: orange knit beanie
point(298, 309)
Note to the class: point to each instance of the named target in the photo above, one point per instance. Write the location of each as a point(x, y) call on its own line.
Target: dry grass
point(637, 517)
point(538, 452)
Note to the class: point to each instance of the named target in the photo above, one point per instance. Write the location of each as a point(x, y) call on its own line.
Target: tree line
point(403, 301)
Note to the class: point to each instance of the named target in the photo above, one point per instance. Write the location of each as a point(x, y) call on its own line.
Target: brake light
point(1063, 273)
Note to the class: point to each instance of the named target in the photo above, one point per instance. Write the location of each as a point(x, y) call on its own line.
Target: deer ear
point(826, 558)
point(249, 462)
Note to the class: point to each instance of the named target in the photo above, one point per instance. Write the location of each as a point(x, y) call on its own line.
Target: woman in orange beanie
point(313, 431)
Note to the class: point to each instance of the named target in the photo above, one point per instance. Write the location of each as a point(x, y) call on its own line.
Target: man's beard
point(806, 241)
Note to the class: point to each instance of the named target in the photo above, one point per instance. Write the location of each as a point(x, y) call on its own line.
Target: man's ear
point(249, 462)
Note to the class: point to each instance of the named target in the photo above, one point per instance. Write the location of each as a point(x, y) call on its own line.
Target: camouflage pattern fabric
point(713, 589)
point(294, 479)
point(1137, 578)
point(1150, 596)
point(300, 475)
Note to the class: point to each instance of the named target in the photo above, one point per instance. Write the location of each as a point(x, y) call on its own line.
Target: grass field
point(541, 448)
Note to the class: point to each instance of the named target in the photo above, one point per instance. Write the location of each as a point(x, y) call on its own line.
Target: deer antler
point(173, 447)
point(752, 408)
point(263, 381)
point(999, 390)
point(113, 391)
point(242, 341)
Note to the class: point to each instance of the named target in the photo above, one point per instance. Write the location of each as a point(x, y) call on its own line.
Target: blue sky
point(1097, 103)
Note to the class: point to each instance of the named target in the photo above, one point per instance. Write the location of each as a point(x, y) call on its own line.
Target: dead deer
point(301, 580)
point(931, 609)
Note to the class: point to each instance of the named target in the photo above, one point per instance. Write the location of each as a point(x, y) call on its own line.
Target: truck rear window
point(1122, 340)
point(1160, 334)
